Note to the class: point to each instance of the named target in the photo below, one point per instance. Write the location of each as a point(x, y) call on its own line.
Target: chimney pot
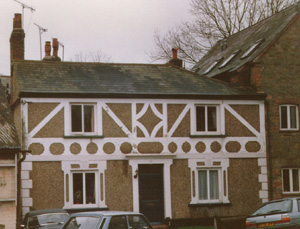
point(47, 48)
point(17, 23)
point(55, 46)
point(174, 51)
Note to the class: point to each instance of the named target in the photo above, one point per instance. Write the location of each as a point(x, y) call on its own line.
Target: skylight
point(252, 48)
point(212, 66)
point(226, 61)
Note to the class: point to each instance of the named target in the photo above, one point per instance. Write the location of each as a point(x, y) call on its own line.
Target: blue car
point(107, 220)
point(284, 213)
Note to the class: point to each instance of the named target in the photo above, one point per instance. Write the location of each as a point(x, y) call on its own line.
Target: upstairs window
point(289, 117)
point(82, 118)
point(206, 118)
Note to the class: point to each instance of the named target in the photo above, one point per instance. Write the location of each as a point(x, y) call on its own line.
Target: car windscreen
point(45, 219)
point(274, 207)
point(83, 222)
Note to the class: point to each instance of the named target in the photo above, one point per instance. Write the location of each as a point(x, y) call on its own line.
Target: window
point(206, 118)
point(82, 118)
point(208, 181)
point(289, 117)
point(118, 222)
point(84, 188)
point(290, 180)
point(226, 61)
point(211, 67)
point(252, 48)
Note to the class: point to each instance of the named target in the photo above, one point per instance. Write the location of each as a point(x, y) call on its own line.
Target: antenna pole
point(23, 7)
point(63, 47)
point(41, 30)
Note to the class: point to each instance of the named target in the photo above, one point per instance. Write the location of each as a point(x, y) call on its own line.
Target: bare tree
point(96, 57)
point(213, 20)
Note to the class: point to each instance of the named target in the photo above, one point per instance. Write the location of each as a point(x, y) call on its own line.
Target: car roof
point(45, 211)
point(105, 213)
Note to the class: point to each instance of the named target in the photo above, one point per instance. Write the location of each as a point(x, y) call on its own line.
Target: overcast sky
point(121, 29)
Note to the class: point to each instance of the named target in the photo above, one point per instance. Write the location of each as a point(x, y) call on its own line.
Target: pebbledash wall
point(131, 132)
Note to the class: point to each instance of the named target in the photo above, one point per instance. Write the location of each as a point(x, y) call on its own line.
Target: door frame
point(134, 161)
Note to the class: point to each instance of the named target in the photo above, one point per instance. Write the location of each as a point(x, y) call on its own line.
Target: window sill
point(207, 136)
point(84, 136)
point(74, 210)
point(209, 204)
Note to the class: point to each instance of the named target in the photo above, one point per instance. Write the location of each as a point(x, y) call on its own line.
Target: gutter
point(269, 159)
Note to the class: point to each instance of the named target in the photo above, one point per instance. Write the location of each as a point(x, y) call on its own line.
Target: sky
point(120, 29)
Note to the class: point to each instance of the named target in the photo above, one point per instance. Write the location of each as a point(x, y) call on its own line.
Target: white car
point(107, 220)
point(284, 213)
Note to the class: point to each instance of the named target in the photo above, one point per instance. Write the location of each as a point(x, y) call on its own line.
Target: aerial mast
point(41, 30)
point(23, 7)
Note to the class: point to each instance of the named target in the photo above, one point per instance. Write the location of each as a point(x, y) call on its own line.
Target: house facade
point(265, 57)
point(155, 139)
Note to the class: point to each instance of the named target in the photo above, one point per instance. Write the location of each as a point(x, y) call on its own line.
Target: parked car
point(49, 218)
point(107, 220)
point(284, 213)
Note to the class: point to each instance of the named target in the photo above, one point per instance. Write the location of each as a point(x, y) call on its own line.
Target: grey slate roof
point(73, 79)
point(8, 132)
point(267, 29)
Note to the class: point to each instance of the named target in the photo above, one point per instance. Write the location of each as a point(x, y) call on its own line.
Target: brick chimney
point(175, 61)
point(17, 48)
point(55, 45)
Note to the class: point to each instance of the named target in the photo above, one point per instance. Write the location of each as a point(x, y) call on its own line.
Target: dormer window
point(212, 66)
point(252, 48)
point(226, 61)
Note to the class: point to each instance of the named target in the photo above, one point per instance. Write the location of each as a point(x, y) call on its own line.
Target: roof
point(73, 79)
point(8, 132)
point(263, 32)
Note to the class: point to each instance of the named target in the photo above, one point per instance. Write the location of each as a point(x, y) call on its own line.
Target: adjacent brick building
point(156, 139)
point(265, 57)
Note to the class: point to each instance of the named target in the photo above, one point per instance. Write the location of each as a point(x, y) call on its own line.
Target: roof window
point(252, 48)
point(213, 65)
point(228, 59)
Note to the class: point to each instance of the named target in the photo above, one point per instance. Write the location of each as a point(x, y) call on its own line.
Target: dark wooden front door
point(151, 192)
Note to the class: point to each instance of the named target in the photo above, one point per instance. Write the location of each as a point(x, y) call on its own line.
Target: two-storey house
point(266, 57)
point(156, 139)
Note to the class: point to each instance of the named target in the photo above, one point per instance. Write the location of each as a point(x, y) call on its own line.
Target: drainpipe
point(269, 162)
point(19, 187)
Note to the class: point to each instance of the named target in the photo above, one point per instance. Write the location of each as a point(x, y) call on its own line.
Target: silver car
point(284, 213)
point(107, 220)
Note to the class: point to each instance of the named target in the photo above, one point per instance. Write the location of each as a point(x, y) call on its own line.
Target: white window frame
point(84, 204)
point(291, 180)
point(218, 120)
point(207, 165)
point(94, 132)
point(84, 167)
point(288, 117)
point(209, 200)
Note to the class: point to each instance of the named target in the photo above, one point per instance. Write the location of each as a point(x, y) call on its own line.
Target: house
point(9, 165)
point(156, 139)
point(266, 56)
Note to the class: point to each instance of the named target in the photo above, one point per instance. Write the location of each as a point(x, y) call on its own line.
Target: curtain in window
point(202, 176)
point(214, 184)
